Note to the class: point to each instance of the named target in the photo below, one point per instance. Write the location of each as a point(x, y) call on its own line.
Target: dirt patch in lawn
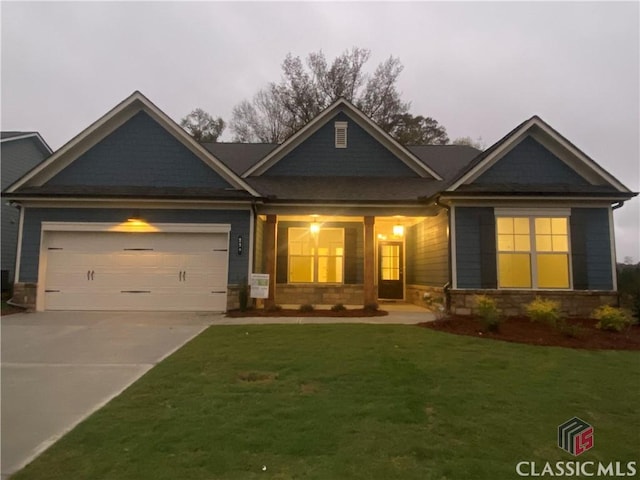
point(523, 330)
point(286, 312)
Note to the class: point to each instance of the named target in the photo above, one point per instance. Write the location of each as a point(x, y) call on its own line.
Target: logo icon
point(575, 436)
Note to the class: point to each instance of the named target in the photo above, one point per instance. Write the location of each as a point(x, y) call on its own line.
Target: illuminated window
point(316, 257)
point(533, 252)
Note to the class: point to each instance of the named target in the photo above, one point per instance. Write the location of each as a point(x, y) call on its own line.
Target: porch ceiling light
point(314, 227)
point(398, 230)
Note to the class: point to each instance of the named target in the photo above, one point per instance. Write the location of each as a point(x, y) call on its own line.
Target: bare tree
point(410, 130)
point(261, 120)
point(202, 126)
point(306, 88)
point(478, 143)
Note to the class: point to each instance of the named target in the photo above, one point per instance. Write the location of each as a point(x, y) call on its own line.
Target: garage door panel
point(136, 271)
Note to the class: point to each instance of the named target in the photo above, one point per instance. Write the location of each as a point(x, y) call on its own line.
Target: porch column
point(269, 245)
point(370, 295)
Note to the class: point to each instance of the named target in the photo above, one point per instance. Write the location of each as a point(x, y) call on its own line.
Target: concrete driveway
point(59, 367)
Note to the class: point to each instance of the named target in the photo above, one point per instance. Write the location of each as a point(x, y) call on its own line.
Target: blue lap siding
point(238, 219)
point(364, 155)
point(428, 252)
point(590, 248)
point(530, 163)
point(141, 153)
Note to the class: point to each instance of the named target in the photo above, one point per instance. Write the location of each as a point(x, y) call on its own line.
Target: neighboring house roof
point(342, 105)
point(15, 135)
point(108, 123)
point(536, 127)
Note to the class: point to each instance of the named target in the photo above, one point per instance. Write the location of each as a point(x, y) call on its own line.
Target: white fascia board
point(29, 135)
point(602, 173)
point(492, 158)
point(563, 198)
point(365, 122)
point(74, 142)
point(517, 136)
point(109, 122)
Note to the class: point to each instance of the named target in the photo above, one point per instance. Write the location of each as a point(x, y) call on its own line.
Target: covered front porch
point(318, 257)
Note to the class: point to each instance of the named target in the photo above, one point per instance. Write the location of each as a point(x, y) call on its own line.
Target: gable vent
point(341, 134)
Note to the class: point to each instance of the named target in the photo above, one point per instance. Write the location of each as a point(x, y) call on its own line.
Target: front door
point(390, 271)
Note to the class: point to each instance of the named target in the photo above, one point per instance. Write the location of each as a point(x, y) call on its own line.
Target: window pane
point(504, 225)
point(553, 271)
point(543, 225)
point(300, 269)
point(521, 225)
point(543, 243)
point(559, 226)
point(560, 243)
point(522, 243)
point(514, 270)
point(505, 243)
point(329, 269)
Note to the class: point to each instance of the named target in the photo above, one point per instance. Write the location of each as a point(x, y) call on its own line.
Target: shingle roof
point(369, 189)
point(239, 157)
point(447, 160)
point(92, 191)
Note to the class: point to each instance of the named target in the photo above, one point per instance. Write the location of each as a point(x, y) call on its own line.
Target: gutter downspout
point(447, 286)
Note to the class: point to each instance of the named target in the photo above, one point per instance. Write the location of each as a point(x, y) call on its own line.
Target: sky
point(478, 68)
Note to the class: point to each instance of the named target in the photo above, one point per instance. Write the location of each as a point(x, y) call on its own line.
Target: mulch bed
point(285, 312)
point(523, 330)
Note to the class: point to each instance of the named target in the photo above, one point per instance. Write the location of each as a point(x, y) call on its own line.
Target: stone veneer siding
point(424, 296)
point(512, 302)
point(314, 294)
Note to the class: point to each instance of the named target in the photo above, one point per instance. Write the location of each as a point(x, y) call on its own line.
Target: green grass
point(352, 401)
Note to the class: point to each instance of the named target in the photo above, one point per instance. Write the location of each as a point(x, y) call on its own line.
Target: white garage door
point(136, 271)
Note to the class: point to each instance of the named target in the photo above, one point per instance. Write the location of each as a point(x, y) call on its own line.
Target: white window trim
point(341, 126)
point(532, 214)
point(315, 261)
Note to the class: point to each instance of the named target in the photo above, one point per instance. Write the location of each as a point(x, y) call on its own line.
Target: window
point(533, 252)
point(316, 257)
point(341, 134)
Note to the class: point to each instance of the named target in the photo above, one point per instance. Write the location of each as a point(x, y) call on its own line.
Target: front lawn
point(352, 401)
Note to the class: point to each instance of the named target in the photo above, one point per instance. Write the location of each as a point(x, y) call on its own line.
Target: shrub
point(306, 308)
point(274, 308)
point(338, 307)
point(371, 307)
point(488, 312)
point(544, 311)
point(612, 318)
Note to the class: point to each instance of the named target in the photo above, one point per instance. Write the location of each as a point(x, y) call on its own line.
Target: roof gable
point(109, 124)
point(530, 163)
point(536, 154)
point(325, 119)
point(364, 156)
point(142, 153)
